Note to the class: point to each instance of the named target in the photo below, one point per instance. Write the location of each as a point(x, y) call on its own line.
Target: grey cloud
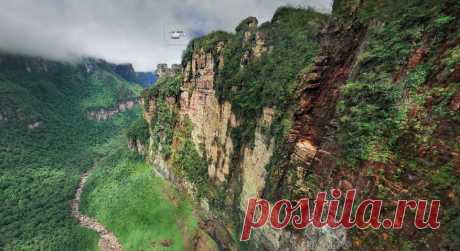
point(122, 30)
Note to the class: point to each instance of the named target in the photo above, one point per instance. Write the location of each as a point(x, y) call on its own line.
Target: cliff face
point(366, 115)
point(102, 114)
point(366, 98)
point(210, 119)
point(163, 70)
point(194, 127)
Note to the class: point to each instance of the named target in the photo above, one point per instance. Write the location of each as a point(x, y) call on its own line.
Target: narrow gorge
point(274, 121)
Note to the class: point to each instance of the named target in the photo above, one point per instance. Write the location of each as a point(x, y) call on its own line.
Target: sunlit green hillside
point(46, 141)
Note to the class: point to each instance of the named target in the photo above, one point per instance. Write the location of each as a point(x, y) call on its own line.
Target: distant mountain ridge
point(126, 71)
point(146, 79)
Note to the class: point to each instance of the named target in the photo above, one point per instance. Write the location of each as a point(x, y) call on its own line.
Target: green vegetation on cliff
point(139, 131)
point(377, 109)
point(261, 65)
point(188, 160)
point(165, 129)
point(168, 86)
point(401, 53)
point(271, 80)
point(371, 121)
point(396, 119)
point(268, 81)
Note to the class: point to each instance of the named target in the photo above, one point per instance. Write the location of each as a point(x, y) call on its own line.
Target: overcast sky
point(121, 31)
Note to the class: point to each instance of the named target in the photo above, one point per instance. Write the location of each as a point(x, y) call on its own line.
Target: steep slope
point(366, 98)
point(48, 139)
point(213, 129)
point(382, 116)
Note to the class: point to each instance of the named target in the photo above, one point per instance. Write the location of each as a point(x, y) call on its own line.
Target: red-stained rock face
point(417, 58)
point(455, 102)
point(319, 90)
point(312, 158)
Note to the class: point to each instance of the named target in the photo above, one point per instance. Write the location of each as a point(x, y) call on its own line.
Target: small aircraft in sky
point(177, 34)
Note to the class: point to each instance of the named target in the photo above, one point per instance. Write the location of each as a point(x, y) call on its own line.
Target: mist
point(123, 31)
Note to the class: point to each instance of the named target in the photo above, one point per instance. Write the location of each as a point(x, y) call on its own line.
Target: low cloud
point(121, 31)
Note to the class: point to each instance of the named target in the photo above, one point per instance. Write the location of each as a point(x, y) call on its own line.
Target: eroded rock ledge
point(103, 114)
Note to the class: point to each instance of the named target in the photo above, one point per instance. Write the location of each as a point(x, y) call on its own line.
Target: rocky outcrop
point(136, 145)
point(320, 87)
point(243, 159)
point(318, 95)
point(254, 181)
point(211, 120)
point(254, 41)
point(237, 169)
point(164, 71)
point(103, 114)
point(255, 159)
point(211, 132)
point(348, 55)
point(455, 102)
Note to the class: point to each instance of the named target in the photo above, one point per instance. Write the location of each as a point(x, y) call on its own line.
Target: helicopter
point(177, 34)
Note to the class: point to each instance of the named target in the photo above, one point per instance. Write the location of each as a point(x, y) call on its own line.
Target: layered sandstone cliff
point(102, 114)
point(306, 103)
point(234, 170)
